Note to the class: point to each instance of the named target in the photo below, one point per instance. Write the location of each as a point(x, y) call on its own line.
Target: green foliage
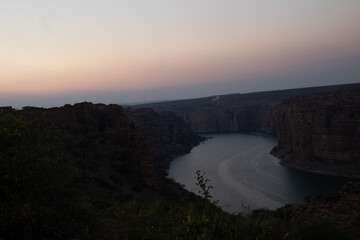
point(171, 219)
point(37, 197)
point(261, 224)
point(202, 182)
point(317, 230)
point(185, 219)
point(29, 156)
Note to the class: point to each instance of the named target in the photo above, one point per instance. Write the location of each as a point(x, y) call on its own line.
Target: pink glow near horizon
point(63, 47)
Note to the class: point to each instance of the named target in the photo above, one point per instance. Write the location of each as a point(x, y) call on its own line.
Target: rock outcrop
point(111, 142)
point(320, 133)
point(100, 138)
point(318, 128)
point(341, 209)
point(237, 112)
point(167, 135)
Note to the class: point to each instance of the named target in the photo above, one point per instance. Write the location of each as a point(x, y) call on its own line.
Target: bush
point(37, 197)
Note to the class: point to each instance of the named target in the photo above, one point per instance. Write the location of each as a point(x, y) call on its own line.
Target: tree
point(37, 197)
point(202, 182)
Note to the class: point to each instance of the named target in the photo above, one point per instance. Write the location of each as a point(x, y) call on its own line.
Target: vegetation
point(202, 182)
point(37, 197)
point(168, 218)
point(41, 198)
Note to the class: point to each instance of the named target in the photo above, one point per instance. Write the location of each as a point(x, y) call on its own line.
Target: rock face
point(237, 112)
point(104, 139)
point(342, 209)
point(100, 138)
point(167, 135)
point(318, 128)
point(320, 133)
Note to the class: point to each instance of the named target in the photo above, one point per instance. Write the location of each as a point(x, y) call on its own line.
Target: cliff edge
point(167, 135)
point(318, 128)
point(320, 133)
point(115, 145)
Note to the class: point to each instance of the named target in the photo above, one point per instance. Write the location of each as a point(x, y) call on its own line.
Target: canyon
point(167, 135)
point(114, 144)
point(106, 169)
point(318, 128)
point(121, 154)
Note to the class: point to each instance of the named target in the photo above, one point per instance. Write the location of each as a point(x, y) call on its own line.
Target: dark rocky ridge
point(320, 133)
point(237, 112)
point(318, 128)
point(341, 209)
point(103, 139)
point(167, 135)
point(100, 138)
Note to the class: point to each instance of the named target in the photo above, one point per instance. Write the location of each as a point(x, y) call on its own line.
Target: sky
point(124, 51)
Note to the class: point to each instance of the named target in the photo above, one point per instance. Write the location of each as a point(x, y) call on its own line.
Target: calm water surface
point(243, 172)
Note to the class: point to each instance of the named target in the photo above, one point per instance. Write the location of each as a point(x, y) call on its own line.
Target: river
point(245, 175)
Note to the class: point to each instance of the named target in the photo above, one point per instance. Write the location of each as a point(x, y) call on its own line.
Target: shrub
point(37, 198)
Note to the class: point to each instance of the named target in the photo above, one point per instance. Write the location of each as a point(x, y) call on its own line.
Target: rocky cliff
point(100, 138)
point(167, 135)
point(320, 133)
point(237, 112)
point(318, 128)
point(341, 209)
point(111, 142)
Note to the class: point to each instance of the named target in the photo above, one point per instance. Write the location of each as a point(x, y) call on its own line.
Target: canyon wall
point(237, 112)
point(318, 128)
point(100, 138)
point(320, 133)
point(341, 209)
point(116, 146)
point(167, 135)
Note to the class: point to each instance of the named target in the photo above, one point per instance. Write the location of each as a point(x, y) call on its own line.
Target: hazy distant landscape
point(177, 120)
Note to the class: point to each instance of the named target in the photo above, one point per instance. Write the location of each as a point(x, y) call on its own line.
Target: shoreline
point(318, 170)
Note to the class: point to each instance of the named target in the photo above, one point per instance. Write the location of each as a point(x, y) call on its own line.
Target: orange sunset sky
point(64, 51)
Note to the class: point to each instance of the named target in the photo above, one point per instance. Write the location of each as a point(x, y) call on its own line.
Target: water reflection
point(242, 172)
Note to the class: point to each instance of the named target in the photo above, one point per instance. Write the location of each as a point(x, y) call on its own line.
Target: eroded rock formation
point(100, 138)
point(318, 128)
point(320, 133)
point(104, 139)
point(341, 209)
point(167, 135)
